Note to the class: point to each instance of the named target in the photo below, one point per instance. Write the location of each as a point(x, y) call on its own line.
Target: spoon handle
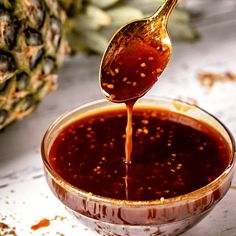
point(163, 12)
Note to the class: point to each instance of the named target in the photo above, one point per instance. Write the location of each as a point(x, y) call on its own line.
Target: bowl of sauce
point(181, 166)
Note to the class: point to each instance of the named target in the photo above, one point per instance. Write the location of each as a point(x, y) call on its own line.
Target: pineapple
point(32, 44)
point(94, 21)
point(32, 47)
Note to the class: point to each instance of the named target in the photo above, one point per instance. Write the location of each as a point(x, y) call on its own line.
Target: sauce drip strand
point(131, 73)
point(135, 58)
point(129, 132)
point(172, 154)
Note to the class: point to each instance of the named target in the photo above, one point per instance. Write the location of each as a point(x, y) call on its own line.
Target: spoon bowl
point(136, 56)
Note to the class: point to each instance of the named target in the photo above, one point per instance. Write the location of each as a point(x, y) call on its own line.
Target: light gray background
point(24, 195)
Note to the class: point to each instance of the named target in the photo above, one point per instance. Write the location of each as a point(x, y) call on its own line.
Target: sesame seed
point(97, 170)
point(124, 79)
point(145, 130)
point(142, 75)
point(139, 131)
point(151, 58)
point(164, 48)
point(145, 122)
point(134, 84)
point(112, 73)
point(111, 144)
point(179, 166)
point(117, 70)
point(112, 96)
point(110, 86)
point(200, 148)
point(143, 64)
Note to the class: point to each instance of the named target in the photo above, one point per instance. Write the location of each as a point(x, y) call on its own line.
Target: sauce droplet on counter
point(41, 224)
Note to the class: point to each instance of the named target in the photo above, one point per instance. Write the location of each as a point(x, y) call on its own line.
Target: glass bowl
point(170, 216)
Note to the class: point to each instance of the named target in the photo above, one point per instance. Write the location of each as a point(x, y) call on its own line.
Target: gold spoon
point(136, 56)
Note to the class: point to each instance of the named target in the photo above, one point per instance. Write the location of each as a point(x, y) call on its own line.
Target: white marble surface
point(24, 195)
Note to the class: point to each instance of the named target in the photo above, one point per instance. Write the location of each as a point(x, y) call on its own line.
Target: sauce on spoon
point(135, 58)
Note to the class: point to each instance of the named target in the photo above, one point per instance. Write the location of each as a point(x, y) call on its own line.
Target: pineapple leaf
point(103, 3)
point(100, 19)
point(92, 19)
point(95, 41)
point(123, 14)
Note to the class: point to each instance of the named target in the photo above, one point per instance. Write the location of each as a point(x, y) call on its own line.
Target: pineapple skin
point(32, 48)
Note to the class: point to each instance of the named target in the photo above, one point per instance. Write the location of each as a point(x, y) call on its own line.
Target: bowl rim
point(191, 196)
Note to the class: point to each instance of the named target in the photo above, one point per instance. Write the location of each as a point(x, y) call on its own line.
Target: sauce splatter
point(209, 79)
point(41, 224)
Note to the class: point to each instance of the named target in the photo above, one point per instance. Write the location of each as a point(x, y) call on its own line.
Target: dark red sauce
point(172, 154)
point(41, 224)
point(134, 69)
point(129, 70)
